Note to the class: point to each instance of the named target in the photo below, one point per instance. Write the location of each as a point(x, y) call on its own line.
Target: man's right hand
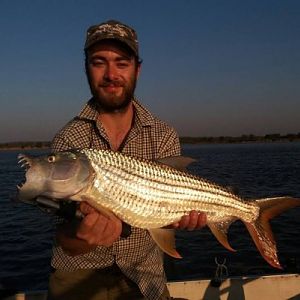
point(93, 230)
point(97, 229)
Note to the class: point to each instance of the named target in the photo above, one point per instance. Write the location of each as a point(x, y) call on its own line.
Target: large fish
point(149, 195)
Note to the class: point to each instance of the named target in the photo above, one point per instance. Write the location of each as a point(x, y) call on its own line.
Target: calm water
point(254, 170)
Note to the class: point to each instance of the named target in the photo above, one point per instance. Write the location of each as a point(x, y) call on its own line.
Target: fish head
point(60, 175)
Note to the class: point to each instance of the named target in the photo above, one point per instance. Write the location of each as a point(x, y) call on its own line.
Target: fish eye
point(51, 158)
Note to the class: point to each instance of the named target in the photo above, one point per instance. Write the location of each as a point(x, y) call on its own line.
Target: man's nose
point(111, 73)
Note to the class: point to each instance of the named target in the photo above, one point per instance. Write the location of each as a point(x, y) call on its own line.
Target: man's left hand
point(194, 220)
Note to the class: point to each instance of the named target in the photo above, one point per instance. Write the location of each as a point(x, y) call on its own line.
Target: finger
point(112, 232)
point(85, 208)
point(174, 225)
point(193, 220)
point(107, 230)
point(87, 226)
point(99, 233)
point(184, 221)
point(90, 220)
point(202, 220)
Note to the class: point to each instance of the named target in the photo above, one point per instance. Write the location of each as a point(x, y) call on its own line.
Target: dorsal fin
point(177, 162)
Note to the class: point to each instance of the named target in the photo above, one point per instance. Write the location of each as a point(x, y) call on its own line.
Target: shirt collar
point(89, 111)
point(143, 117)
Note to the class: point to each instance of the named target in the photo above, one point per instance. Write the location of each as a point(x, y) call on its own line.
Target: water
point(25, 233)
point(254, 170)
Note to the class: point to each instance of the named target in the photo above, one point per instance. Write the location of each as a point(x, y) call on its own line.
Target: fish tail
point(261, 231)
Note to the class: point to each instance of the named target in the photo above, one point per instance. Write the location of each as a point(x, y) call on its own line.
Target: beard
point(112, 101)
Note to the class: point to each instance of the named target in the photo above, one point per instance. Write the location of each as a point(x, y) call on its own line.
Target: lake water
point(253, 170)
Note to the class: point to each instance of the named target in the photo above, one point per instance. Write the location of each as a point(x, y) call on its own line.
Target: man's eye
point(122, 64)
point(97, 62)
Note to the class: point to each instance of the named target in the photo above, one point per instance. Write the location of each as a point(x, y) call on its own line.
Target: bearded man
point(92, 259)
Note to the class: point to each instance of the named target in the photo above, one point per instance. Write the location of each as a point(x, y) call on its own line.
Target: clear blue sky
point(210, 68)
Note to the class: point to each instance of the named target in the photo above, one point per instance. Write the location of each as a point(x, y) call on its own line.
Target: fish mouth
point(25, 163)
point(54, 176)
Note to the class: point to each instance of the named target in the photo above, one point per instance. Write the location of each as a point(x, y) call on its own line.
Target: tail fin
point(261, 231)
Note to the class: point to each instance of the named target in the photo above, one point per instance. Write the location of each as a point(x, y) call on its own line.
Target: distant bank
point(184, 140)
point(242, 139)
point(25, 145)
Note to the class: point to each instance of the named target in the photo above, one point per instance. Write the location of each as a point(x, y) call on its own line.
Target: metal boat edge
point(275, 287)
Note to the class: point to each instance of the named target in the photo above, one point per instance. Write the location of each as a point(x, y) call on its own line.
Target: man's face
point(112, 75)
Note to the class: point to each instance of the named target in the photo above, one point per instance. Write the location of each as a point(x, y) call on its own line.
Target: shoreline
point(23, 148)
point(183, 141)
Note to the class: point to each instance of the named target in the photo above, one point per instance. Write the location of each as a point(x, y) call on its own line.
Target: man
point(91, 259)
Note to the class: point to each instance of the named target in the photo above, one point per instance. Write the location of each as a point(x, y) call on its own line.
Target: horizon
point(209, 69)
point(278, 136)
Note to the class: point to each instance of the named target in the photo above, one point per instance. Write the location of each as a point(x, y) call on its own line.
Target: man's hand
point(97, 229)
point(195, 220)
point(79, 237)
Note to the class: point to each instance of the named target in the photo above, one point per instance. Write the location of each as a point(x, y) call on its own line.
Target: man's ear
point(138, 70)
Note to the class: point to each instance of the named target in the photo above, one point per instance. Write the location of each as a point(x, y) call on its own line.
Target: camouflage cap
point(112, 30)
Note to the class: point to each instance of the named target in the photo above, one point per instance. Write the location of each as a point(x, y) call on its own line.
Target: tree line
point(26, 145)
point(245, 138)
point(276, 137)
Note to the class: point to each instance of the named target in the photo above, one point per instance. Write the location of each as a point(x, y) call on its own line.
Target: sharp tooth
point(24, 165)
point(21, 157)
point(21, 160)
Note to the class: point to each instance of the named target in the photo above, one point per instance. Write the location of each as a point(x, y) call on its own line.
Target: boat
point(273, 287)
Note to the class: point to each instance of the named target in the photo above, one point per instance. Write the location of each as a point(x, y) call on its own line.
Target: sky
point(210, 68)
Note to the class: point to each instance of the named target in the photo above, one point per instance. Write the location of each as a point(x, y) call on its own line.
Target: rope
point(221, 273)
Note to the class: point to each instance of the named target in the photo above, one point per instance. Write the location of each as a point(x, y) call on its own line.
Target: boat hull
point(275, 287)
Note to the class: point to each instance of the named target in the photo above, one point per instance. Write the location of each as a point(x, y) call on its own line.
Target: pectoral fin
point(165, 239)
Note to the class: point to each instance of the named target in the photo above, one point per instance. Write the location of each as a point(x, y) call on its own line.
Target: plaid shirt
point(137, 256)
